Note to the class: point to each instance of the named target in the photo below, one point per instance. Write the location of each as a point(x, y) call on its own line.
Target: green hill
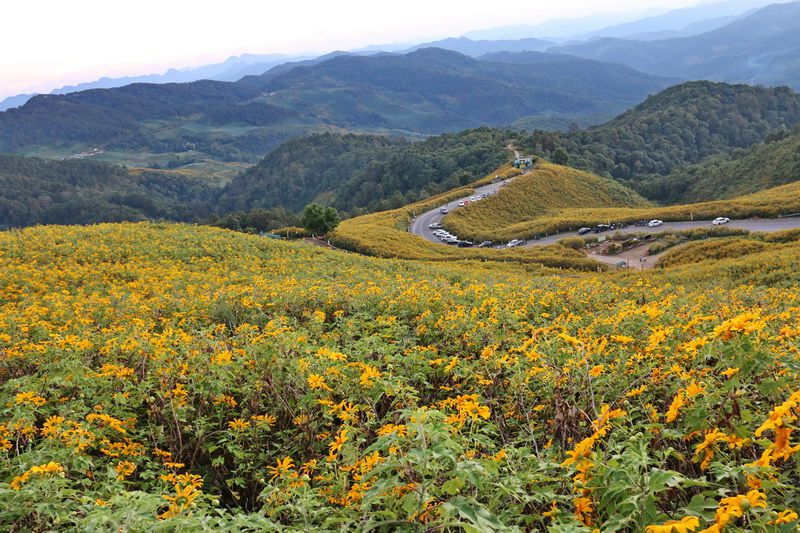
point(429, 91)
point(765, 165)
point(547, 190)
point(38, 191)
point(434, 90)
point(680, 126)
point(359, 173)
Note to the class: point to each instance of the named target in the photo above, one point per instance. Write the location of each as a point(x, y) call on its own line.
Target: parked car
point(584, 231)
point(720, 221)
point(461, 203)
point(485, 244)
point(435, 225)
point(472, 199)
point(655, 223)
point(600, 228)
point(515, 242)
point(464, 244)
point(466, 202)
point(444, 210)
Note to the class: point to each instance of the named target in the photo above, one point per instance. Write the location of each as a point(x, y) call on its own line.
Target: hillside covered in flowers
point(167, 377)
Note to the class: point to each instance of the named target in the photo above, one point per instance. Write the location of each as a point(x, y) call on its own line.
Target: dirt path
point(632, 257)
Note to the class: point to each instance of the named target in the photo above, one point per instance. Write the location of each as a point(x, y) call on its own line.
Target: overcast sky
point(45, 44)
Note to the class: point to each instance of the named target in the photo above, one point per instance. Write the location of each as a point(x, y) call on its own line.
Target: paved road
point(422, 221)
point(749, 224)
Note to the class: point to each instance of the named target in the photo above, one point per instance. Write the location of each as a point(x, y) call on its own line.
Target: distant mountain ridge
point(760, 48)
point(429, 91)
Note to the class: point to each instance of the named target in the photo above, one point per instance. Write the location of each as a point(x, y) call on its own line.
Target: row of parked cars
point(651, 224)
point(448, 238)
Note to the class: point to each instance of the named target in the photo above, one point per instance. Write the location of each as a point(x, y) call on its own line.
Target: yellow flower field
point(169, 377)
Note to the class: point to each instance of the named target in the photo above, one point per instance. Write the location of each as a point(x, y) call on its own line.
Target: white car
point(461, 203)
point(444, 211)
point(720, 221)
point(655, 223)
point(514, 243)
point(472, 199)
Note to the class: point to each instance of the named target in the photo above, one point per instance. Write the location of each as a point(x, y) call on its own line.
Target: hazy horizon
point(83, 41)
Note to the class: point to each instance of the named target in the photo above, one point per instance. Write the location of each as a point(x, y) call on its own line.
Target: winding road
point(422, 221)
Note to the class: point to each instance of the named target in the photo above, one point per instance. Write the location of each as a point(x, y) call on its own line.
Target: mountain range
point(428, 91)
point(675, 23)
point(760, 48)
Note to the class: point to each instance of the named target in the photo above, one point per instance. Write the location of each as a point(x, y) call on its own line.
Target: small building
point(523, 162)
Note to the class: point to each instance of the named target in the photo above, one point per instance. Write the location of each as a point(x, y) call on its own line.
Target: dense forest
point(774, 162)
point(353, 173)
point(677, 127)
point(38, 191)
point(361, 173)
point(429, 91)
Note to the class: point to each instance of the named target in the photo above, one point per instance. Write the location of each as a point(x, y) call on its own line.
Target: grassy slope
point(543, 209)
point(386, 234)
point(768, 203)
point(549, 189)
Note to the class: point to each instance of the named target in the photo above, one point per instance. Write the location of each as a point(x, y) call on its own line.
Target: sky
point(47, 44)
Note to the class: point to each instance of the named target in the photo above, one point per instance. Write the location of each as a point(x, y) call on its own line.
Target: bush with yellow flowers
point(169, 377)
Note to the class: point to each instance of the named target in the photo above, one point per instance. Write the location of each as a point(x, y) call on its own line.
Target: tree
point(318, 219)
point(560, 156)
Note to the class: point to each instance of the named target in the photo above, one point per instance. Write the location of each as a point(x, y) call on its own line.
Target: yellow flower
point(785, 517)
point(124, 469)
point(636, 392)
point(29, 398)
point(281, 468)
point(675, 407)
point(336, 446)
point(46, 470)
point(238, 424)
point(730, 372)
point(369, 374)
point(684, 525)
point(315, 381)
point(694, 389)
point(597, 370)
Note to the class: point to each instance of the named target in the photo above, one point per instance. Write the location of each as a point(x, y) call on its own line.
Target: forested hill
point(428, 91)
point(680, 126)
point(433, 90)
point(104, 115)
point(769, 164)
point(38, 191)
point(354, 173)
point(359, 173)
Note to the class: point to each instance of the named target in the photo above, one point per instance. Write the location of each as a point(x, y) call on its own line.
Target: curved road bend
point(422, 221)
